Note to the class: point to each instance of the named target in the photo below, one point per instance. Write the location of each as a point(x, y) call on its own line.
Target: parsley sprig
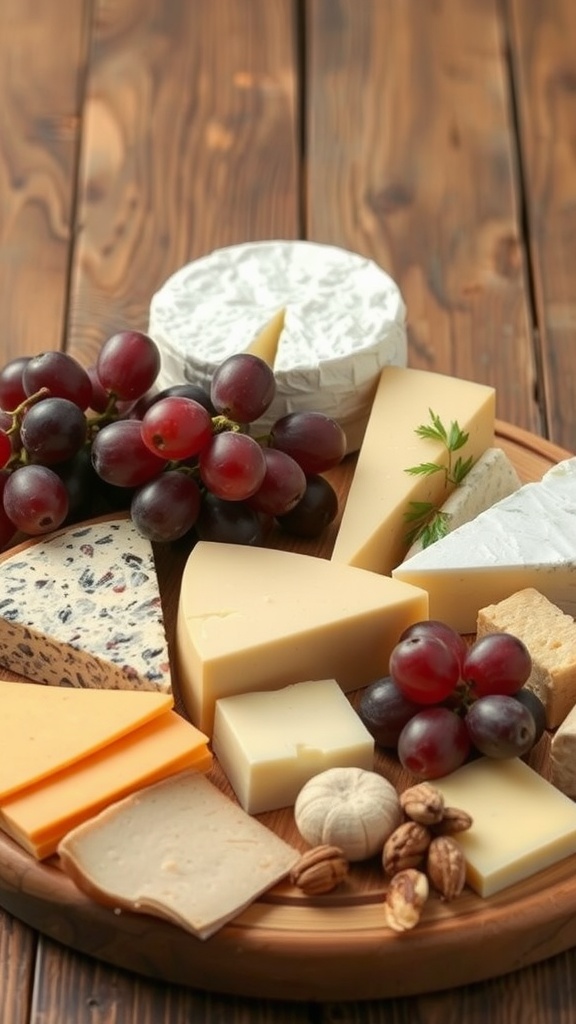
point(429, 523)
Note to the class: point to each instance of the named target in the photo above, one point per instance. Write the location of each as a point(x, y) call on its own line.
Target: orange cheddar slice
point(44, 729)
point(40, 816)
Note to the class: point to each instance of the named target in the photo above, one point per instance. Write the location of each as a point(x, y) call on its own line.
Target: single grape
point(433, 743)
point(82, 484)
point(120, 456)
point(12, 391)
point(35, 499)
point(424, 668)
point(7, 528)
point(283, 485)
point(315, 441)
point(230, 522)
point(176, 428)
point(242, 387)
point(432, 627)
point(53, 430)
point(497, 663)
point(103, 401)
point(500, 726)
point(317, 508)
point(232, 466)
point(529, 699)
point(63, 375)
point(385, 710)
point(167, 507)
point(189, 390)
point(128, 364)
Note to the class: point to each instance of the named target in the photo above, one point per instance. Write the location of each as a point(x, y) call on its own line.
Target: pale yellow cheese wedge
point(265, 344)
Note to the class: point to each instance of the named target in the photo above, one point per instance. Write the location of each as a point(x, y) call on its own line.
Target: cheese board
point(333, 947)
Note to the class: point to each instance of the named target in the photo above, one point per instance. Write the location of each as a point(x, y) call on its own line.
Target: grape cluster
point(445, 701)
point(81, 441)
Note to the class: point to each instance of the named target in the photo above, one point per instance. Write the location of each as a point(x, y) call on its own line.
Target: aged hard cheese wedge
point(253, 619)
point(81, 607)
point(562, 761)
point(525, 540)
point(521, 823)
point(44, 728)
point(40, 816)
point(180, 850)
point(373, 531)
point(344, 319)
point(269, 744)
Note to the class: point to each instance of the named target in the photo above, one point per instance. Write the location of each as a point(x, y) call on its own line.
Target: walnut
point(453, 820)
point(423, 803)
point(405, 848)
point(405, 897)
point(320, 870)
point(446, 867)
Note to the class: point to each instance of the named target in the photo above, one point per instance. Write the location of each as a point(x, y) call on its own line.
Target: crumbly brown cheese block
point(550, 636)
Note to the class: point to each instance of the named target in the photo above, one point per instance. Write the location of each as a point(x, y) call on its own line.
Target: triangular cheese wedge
point(374, 531)
point(253, 618)
point(46, 728)
point(81, 607)
point(525, 540)
point(265, 344)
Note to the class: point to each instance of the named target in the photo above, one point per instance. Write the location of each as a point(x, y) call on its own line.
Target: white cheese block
point(525, 540)
point(373, 533)
point(343, 320)
point(270, 744)
point(252, 619)
point(562, 763)
point(81, 607)
point(521, 824)
point(491, 478)
point(180, 850)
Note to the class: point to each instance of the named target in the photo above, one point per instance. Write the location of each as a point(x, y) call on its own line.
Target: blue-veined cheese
point(342, 320)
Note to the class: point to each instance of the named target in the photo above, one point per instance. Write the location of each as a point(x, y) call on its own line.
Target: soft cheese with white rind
point(252, 619)
point(81, 607)
point(344, 319)
point(270, 744)
point(490, 479)
point(373, 533)
point(526, 540)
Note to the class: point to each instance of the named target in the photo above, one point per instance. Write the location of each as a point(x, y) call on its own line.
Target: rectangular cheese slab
point(181, 850)
point(526, 540)
point(39, 817)
point(521, 823)
point(252, 619)
point(373, 531)
point(269, 744)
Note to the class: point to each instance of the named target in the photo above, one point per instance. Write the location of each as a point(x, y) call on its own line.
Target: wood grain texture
point(17, 959)
point(543, 44)
point(411, 161)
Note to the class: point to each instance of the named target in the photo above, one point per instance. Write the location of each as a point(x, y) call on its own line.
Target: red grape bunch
point(78, 441)
point(445, 701)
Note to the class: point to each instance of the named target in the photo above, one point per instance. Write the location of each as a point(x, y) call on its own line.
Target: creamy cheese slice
point(343, 319)
point(526, 540)
point(374, 530)
point(252, 619)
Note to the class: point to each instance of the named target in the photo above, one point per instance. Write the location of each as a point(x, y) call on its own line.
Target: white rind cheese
point(526, 540)
point(344, 319)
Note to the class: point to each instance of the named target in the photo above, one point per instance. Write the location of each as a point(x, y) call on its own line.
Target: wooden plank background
point(436, 136)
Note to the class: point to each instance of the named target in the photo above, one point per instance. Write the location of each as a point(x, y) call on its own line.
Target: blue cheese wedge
point(335, 318)
point(81, 607)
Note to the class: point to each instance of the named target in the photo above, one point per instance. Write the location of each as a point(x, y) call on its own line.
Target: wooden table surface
point(437, 137)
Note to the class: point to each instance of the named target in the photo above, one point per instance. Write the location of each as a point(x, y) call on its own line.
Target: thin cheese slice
point(374, 530)
point(253, 619)
point(180, 850)
point(39, 817)
point(46, 728)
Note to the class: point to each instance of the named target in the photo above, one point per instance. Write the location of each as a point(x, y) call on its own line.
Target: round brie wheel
point(331, 320)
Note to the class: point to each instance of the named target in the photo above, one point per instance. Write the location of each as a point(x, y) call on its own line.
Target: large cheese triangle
point(373, 532)
point(254, 618)
point(81, 607)
point(525, 540)
point(46, 728)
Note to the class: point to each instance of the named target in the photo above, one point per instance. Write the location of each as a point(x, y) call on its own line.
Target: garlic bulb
point(352, 808)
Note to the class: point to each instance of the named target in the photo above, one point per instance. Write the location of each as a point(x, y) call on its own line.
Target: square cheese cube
point(270, 743)
point(521, 823)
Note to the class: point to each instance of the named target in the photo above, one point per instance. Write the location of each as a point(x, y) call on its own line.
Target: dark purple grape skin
point(440, 630)
point(242, 387)
point(12, 391)
point(317, 508)
point(500, 726)
point(35, 499)
point(384, 710)
point(232, 522)
point(167, 507)
point(63, 375)
point(53, 430)
point(120, 456)
point(193, 391)
point(128, 364)
point(433, 743)
point(315, 441)
point(529, 699)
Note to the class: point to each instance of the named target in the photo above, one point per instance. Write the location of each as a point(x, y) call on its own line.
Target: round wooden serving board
point(335, 947)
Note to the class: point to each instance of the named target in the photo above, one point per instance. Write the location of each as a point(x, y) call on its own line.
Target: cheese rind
point(373, 532)
point(252, 619)
point(525, 540)
point(270, 744)
point(563, 756)
point(521, 823)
